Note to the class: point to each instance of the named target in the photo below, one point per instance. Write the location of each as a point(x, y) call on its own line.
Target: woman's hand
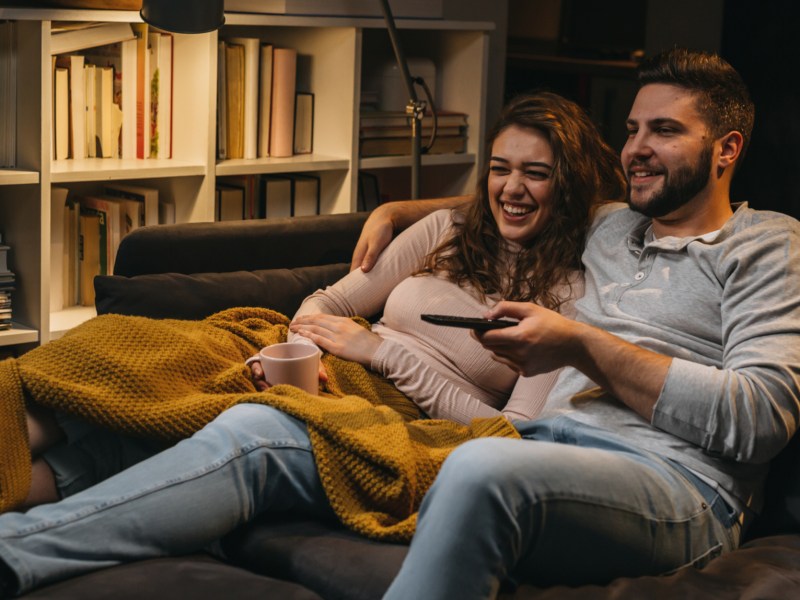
point(376, 234)
point(260, 381)
point(338, 335)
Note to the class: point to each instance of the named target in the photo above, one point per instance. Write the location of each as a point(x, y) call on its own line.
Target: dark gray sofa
point(192, 270)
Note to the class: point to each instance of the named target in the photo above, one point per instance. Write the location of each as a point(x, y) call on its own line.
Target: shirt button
point(639, 276)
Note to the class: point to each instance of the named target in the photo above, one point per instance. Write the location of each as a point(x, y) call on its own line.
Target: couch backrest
point(239, 245)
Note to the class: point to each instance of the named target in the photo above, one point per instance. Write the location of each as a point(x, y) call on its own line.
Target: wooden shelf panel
point(18, 177)
point(384, 162)
point(102, 169)
point(63, 320)
point(18, 334)
point(293, 164)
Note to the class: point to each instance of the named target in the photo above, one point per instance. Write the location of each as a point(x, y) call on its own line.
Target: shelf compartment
point(102, 169)
point(385, 162)
point(294, 164)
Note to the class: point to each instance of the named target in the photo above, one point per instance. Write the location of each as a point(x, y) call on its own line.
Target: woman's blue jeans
point(252, 458)
point(568, 504)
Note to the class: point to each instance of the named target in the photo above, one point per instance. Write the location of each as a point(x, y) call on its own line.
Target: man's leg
point(554, 512)
point(250, 459)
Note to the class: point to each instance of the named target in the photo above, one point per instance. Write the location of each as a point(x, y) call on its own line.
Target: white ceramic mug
point(292, 364)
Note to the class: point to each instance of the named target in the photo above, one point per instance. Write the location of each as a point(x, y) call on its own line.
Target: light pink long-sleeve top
point(446, 372)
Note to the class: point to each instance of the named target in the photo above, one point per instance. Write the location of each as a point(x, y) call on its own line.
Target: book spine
point(284, 80)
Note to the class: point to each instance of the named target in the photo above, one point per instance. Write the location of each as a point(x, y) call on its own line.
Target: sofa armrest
point(239, 245)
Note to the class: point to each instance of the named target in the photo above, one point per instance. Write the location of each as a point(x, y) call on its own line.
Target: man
point(682, 376)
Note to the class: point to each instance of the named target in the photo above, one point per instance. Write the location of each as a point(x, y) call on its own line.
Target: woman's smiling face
point(520, 185)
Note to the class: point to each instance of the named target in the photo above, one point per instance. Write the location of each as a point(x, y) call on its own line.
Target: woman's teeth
point(513, 209)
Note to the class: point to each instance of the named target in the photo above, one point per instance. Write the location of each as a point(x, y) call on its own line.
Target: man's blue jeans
point(568, 504)
point(252, 458)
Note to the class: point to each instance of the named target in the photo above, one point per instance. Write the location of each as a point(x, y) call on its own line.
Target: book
point(252, 52)
point(395, 118)
point(369, 195)
point(222, 104)
point(284, 80)
point(65, 40)
point(142, 90)
point(112, 219)
point(89, 246)
point(229, 203)
point(77, 103)
point(146, 196)
point(253, 208)
point(276, 196)
point(61, 113)
point(303, 123)
point(58, 207)
point(400, 147)
point(305, 194)
point(160, 50)
point(90, 97)
point(424, 9)
point(264, 99)
point(234, 99)
point(71, 259)
point(109, 116)
point(121, 57)
point(4, 258)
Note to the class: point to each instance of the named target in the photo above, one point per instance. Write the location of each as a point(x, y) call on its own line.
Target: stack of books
point(86, 231)
point(260, 113)
point(6, 287)
point(388, 133)
point(112, 91)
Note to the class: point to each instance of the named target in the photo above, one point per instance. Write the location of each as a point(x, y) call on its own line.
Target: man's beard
point(679, 188)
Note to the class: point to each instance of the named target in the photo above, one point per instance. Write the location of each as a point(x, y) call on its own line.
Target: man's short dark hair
point(723, 99)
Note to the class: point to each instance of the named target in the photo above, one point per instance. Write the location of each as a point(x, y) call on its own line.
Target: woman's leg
point(555, 512)
point(252, 458)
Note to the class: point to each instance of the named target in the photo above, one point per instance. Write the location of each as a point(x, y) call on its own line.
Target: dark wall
point(760, 39)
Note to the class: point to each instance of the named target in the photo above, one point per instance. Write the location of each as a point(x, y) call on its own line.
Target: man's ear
point(730, 149)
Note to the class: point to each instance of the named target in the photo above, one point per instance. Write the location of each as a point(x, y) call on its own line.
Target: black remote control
point(468, 322)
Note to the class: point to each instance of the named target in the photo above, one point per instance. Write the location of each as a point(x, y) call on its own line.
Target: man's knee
point(479, 465)
point(257, 424)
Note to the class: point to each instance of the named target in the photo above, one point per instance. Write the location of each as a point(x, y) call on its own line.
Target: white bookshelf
point(335, 57)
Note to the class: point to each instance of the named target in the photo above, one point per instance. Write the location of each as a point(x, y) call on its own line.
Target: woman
point(520, 239)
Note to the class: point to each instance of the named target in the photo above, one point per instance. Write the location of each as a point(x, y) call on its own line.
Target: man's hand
point(376, 234)
point(544, 340)
point(391, 218)
point(338, 335)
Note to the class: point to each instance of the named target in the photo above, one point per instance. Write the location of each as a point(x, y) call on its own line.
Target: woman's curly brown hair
point(586, 172)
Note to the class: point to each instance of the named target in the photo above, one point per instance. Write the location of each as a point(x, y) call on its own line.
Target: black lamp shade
point(184, 16)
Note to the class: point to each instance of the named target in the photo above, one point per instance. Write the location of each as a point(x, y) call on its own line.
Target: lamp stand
point(415, 107)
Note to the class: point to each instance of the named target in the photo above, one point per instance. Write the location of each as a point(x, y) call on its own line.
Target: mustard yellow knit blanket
point(166, 379)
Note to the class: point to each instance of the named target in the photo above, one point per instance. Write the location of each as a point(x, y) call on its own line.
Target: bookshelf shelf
point(337, 58)
point(105, 169)
point(18, 334)
point(429, 160)
point(18, 177)
point(293, 164)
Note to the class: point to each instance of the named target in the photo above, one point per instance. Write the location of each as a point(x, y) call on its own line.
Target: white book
point(77, 106)
point(89, 36)
point(305, 195)
point(265, 100)
point(61, 124)
point(252, 51)
point(165, 97)
point(222, 103)
point(277, 196)
point(90, 98)
point(104, 94)
point(129, 60)
point(58, 200)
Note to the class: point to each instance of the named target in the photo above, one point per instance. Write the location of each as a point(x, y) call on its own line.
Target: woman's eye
point(498, 170)
point(537, 174)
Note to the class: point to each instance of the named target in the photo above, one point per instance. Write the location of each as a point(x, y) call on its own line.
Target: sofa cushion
point(179, 296)
point(324, 557)
point(198, 577)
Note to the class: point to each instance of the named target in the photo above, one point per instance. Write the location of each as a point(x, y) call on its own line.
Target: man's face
point(668, 155)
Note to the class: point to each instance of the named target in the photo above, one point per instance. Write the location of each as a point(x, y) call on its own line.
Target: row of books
point(260, 113)
point(8, 94)
point(267, 196)
point(7, 281)
point(388, 133)
point(86, 231)
point(112, 91)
